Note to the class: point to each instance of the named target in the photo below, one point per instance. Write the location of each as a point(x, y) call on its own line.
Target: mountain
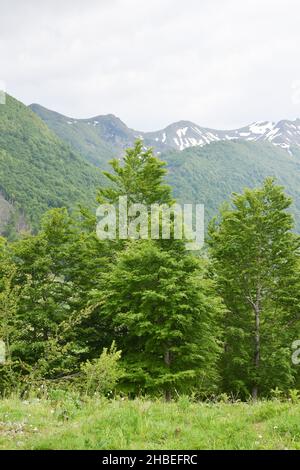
point(43, 160)
point(209, 174)
point(185, 134)
point(108, 134)
point(37, 169)
point(205, 165)
point(92, 138)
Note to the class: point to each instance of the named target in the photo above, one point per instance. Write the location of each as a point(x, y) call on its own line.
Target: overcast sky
point(219, 63)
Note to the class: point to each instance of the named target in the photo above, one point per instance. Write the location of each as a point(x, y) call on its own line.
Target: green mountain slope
point(210, 174)
point(86, 138)
point(37, 170)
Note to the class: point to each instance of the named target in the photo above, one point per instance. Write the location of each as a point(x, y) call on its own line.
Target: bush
point(101, 375)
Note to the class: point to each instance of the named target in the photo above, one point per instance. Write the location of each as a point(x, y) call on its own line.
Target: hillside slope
point(94, 142)
point(37, 170)
point(210, 174)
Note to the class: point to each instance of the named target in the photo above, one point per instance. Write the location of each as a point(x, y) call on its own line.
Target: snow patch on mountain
point(184, 134)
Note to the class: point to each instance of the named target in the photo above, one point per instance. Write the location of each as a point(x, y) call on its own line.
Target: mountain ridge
point(178, 135)
point(48, 162)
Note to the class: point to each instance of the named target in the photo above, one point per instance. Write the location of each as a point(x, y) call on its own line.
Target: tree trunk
point(168, 395)
point(255, 392)
point(257, 342)
point(167, 359)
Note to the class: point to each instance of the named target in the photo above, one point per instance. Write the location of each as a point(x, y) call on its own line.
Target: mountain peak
point(181, 134)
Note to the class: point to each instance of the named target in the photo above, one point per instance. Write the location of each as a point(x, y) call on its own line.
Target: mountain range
point(50, 160)
point(177, 136)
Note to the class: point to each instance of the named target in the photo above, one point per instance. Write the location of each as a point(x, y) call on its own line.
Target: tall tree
point(139, 176)
point(255, 255)
point(157, 299)
point(165, 318)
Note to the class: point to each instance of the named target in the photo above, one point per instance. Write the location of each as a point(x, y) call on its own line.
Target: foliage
point(165, 318)
point(255, 257)
point(199, 324)
point(140, 177)
point(101, 375)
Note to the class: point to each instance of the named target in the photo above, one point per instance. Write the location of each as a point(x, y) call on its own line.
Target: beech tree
point(255, 256)
point(165, 316)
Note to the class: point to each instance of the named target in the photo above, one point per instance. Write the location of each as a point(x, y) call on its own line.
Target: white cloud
point(220, 64)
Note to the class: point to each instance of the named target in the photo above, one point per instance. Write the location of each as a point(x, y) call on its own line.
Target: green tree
point(255, 258)
point(56, 270)
point(165, 316)
point(139, 176)
point(9, 325)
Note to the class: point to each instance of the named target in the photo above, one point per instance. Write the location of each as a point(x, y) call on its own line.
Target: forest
point(138, 318)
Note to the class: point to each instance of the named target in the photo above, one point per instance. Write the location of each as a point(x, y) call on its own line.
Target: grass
point(142, 424)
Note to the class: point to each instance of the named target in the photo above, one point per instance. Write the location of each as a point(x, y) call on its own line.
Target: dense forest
point(147, 316)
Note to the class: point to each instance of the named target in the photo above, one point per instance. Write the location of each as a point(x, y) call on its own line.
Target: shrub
point(294, 395)
point(101, 375)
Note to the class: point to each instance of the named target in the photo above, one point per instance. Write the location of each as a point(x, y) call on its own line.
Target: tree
point(139, 176)
point(55, 272)
point(255, 257)
point(9, 300)
point(157, 299)
point(9, 325)
point(165, 319)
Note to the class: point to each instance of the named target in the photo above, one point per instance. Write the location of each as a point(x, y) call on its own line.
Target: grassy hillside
point(37, 170)
point(141, 424)
point(210, 174)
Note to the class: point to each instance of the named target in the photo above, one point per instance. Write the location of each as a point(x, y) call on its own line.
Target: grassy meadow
point(141, 424)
